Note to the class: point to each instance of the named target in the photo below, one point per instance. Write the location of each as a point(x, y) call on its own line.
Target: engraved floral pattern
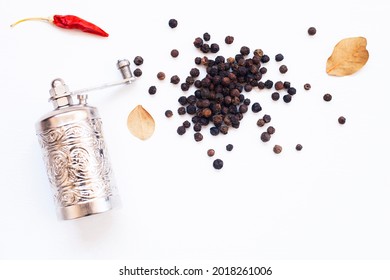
point(77, 163)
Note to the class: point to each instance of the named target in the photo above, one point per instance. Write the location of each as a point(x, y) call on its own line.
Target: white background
point(329, 201)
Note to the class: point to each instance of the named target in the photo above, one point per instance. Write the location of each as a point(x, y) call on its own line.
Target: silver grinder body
point(76, 157)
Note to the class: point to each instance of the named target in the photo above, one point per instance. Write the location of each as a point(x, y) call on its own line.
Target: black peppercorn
point(168, 113)
point(286, 85)
point(298, 147)
point(198, 136)
point(265, 137)
point(137, 72)
point(277, 149)
point(214, 48)
point(341, 120)
point(152, 90)
point(307, 86)
point(218, 164)
point(182, 100)
point(210, 152)
point(256, 107)
point(205, 48)
point(175, 79)
point(214, 130)
point(265, 58)
point(279, 85)
point(229, 147)
point(138, 60)
point(161, 76)
point(172, 23)
point(279, 57)
point(271, 130)
point(327, 97)
point(247, 87)
point(197, 127)
point(312, 31)
point(184, 86)
point(283, 69)
point(267, 118)
point(198, 42)
point(268, 84)
point(186, 124)
point(206, 36)
point(229, 40)
point(198, 60)
point(287, 98)
point(174, 53)
point(260, 123)
point(224, 129)
point(191, 109)
point(244, 50)
point(292, 91)
point(181, 110)
point(275, 96)
point(261, 85)
point(181, 130)
point(194, 72)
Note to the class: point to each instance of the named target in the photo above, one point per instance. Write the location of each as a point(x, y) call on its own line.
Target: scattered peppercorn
point(198, 42)
point(229, 147)
point(277, 149)
point(137, 72)
point(258, 52)
point(287, 98)
point(283, 69)
point(210, 152)
point(267, 118)
point(181, 130)
point(307, 86)
point(244, 50)
point(175, 79)
point(152, 90)
point(286, 85)
point(218, 164)
point(206, 36)
point(138, 60)
point(174, 53)
point(214, 48)
point(327, 97)
point(181, 110)
point(172, 23)
point(198, 60)
point(184, 87)
point(279, 85)
point(265, 58)
point(275, 96)
point(256, 107)
point(292, 90)
point(194, 72)
point(265, 137)
point(168, 113)
point(341, 120)
point(198, 136)
point(312, 31)
point(260, 122)
point(268, 84)
point(271, 130)
point(229, 40)
point(161, 76)
point(298, 147)
point(186, 124)
point(279, 57)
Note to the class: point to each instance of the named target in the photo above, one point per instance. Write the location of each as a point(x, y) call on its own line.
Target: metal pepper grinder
point(75, 153)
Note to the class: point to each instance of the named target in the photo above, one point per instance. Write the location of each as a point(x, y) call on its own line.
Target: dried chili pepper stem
point(32, 18)
point(69, 22)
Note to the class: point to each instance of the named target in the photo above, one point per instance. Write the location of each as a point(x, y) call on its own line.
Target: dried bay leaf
point(349, 56)
point(140, 123)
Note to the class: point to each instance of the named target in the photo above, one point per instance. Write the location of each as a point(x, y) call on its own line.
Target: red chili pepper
point(70, 22)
